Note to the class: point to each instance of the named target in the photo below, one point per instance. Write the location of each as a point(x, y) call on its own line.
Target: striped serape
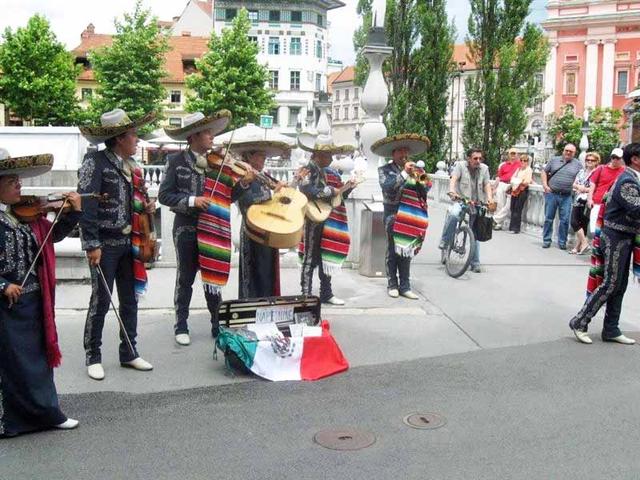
point(139, 199)
point(412, 220)
point(334, 245)
point(214, 229)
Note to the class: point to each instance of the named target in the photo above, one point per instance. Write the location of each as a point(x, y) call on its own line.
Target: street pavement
point(490, 351)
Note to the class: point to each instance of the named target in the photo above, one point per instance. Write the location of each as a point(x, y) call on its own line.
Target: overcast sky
point(69, 18)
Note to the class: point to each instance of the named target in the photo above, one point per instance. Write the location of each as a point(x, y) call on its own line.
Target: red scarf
point(47, 278)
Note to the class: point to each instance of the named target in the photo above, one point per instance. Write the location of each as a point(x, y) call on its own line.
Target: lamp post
point(584, 140)
point(459, 77)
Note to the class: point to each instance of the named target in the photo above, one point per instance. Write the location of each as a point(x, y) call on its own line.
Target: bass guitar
point(278, 223)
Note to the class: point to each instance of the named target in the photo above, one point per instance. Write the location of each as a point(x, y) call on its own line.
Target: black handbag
point(483, 227)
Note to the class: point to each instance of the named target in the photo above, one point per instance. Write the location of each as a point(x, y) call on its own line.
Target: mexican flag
point(278, 358)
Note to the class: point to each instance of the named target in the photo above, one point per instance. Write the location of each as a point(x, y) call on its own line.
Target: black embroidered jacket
point(181, 181)
point(105, 222)
point(623, 205)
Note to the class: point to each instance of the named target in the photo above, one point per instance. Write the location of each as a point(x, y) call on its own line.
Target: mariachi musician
point(182, 190)
point(28, 340)
point(108, 236)
point(316, 187)
point(259, 264)
point(398, 181)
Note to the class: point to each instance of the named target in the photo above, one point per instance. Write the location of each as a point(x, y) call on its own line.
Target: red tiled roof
point(330, 79)
point(461, 54)
point(185, 47)
point(206, 6)
point(348, 74)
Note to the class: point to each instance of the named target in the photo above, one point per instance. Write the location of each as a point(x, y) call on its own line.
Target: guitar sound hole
point(285, 200)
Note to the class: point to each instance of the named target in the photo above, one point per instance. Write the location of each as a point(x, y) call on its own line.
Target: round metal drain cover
point(425, 421)
point(344, 439)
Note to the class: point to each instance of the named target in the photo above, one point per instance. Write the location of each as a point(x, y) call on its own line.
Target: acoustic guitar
point(319, 210)
point(278, 223)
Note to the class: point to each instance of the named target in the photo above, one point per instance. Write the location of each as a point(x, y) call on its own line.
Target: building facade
point(293, 41)
point(346, 112)
point(595, 53)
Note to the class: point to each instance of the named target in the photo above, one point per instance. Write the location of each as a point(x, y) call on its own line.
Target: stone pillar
point(550, 80)
point(608, 66)
point(591, 75)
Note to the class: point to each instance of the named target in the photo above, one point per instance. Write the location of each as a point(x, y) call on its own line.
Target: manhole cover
point(344, 439)
point(425, 421)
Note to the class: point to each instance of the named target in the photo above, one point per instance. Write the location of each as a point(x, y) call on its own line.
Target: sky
point(68, 18)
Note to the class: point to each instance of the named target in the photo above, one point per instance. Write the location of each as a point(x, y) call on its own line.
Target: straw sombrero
point(25, 166)
point(271, 148)
point(415, 143)
point(112, 124)
point(197, 122)
point(322, 143)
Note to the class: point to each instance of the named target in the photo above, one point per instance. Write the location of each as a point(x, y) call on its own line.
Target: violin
point(31, 208)
point(214, 159)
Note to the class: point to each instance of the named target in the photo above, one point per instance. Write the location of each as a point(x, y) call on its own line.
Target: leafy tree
point(129, 72)
point(508, 53)
point(419, 71)
point(229, 76)
point(365, 12)
point(604, 136)
point(38, 80)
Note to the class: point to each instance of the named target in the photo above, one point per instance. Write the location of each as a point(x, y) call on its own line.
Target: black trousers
point(618, 249)
point(517, 205)
point(117, 265)
point(312, 259)
point(257, 268)
point(186, 243)
point(398, 267)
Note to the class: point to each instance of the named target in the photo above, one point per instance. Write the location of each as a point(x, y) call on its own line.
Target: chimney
point(89, 31)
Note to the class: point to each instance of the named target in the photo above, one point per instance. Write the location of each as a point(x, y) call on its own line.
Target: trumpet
point(420, 176)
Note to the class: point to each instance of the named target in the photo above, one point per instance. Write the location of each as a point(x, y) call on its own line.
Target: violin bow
point(115, 310)
point(224, 159)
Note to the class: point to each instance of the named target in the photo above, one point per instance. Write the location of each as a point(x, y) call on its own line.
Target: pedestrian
point(182, 190)
point(470, 180)
point(580, 210)
point(519, 185)
point(558, 176)
point(616, 246)
point(503, 186)
point(29, 348)
point(600, 182)
point(107, 235)
point(405, 208)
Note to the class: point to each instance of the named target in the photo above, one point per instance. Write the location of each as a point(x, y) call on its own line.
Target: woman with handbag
point(520, 182)
point(580, 211)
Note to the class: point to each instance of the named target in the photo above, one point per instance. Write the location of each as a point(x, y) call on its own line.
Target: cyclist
point(470, 179)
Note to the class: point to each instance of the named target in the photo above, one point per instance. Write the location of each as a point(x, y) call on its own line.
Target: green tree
point(38, 80)
point(129, 72)
point(508, 52)
point(365, 12)
point(605, 125)
point(229, 76)
point(419, 71)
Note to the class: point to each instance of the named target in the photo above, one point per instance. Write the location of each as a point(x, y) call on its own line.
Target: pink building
point(595, 53)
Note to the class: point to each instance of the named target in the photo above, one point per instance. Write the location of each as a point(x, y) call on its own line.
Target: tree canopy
point(229, 76)
point(38, 80)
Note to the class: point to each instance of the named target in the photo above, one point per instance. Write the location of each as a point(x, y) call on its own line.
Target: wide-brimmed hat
point(197, 122)
point(271, 148)
point(25, 166)
point(415, 143)
point(322, 143)
point(113, 123)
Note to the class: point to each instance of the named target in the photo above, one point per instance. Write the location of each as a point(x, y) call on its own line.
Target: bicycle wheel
point(460, 251)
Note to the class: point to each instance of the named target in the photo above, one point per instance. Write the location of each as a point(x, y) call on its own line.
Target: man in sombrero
point(402, 192)
point(108, 236)
point(259, 264)
point(182, 190)
point(317, 248)
point(29, 347)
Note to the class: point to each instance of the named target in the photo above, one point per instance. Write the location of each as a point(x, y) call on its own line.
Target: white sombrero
point(25, 166)
point(112, 124)
point(322, 143)
point(415, 143)
point(197, 122)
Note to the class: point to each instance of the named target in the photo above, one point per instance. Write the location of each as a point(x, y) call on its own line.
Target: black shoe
point(562, 247)
point(546, 245)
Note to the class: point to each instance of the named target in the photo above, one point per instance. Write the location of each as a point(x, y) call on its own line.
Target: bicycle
point(459, 250)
